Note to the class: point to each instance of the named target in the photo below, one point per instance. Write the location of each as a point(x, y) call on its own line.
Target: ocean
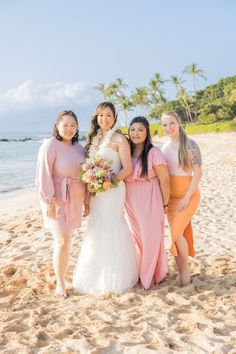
point(18, 160)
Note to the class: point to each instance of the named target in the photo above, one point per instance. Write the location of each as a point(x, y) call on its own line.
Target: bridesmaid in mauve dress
point(146, 198)
point(60, 192)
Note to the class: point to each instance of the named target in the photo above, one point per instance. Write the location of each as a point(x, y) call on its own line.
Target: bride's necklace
point(96, 144)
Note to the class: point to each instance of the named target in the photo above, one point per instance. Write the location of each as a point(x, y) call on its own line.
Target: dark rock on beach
point(10, 140)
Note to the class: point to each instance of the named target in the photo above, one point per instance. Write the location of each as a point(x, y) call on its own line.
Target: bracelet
point(166, 205)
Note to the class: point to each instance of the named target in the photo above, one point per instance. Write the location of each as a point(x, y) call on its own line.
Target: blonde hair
point(183, 152)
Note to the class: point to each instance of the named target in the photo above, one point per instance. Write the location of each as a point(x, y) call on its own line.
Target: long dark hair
point(55, 131)
point(147, 144)
point(94, 122)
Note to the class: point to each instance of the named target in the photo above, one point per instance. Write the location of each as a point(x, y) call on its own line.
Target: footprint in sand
point(187, 328)
point(17, 282)
point(222, 331)
point(10, 270)
point(15, 327)
point(3, 340)
point(25, 248)
point(40, 339)
point(66, 332)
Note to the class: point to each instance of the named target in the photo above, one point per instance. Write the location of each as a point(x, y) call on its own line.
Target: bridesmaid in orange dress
point(184, 161)
point(147, 194)
point(60, 192)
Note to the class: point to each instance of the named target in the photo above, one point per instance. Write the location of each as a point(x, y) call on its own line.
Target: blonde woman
point(184, 161)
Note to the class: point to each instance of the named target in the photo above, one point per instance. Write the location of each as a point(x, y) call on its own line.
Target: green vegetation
point(210, 109)
point(220, 127)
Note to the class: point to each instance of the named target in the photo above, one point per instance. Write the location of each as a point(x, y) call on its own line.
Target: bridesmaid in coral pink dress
point(146, 198)
point(61, 194)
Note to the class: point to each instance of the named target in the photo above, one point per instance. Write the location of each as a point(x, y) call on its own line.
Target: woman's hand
point(162, 174)
point(51, 210)
point(183, 203)
point(86, 210)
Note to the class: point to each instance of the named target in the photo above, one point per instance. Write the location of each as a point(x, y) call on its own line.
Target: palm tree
point(195, 72)
point(121, 84)
point(140, 97)
point(118, 86)
point(101, 88)
point(182, 97)
point(157, 92)
point(125, 105)
point(108, 92)
point(176, 81)
point(181, 94)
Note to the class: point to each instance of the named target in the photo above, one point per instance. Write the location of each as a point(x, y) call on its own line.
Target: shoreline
point(156, 141)
point(12, 204)
point(199, 318)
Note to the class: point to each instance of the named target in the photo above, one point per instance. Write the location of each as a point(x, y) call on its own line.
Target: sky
point(54, 52)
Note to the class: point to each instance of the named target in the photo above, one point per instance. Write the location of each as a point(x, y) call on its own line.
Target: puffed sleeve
point(44, 182)
point(156, 157)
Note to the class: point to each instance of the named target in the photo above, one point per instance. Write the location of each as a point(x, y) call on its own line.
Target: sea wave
point(10, 189)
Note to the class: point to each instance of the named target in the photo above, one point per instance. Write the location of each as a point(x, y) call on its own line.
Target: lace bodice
point(105, 151)
point(109, 154)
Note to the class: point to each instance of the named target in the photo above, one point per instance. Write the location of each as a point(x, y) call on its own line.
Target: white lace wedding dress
point(108, 260)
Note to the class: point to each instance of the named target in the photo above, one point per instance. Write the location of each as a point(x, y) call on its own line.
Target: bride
point(107, 261)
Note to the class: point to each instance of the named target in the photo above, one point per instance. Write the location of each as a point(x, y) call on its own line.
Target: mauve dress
point(144, 209)
point(57, 179)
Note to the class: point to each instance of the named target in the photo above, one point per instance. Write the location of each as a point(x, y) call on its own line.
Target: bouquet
point(97, 174)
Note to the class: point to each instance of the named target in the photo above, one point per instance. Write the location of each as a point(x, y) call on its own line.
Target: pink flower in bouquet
point(98, 176)
point(90, 179)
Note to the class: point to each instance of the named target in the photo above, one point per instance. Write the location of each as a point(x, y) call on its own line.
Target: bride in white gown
point(108, 260)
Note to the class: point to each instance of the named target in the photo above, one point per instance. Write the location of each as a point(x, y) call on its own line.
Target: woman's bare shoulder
point(119, 137)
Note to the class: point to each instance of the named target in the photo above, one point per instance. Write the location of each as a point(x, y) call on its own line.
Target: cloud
point(30, 95)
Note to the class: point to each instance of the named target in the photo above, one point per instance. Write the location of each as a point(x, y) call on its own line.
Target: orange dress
point(180, 222)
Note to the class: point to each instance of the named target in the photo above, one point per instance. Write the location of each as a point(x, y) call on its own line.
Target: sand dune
point(199, 318)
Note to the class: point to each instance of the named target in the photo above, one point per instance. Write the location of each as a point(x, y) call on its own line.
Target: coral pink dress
point(144, 208)
point(56, 179)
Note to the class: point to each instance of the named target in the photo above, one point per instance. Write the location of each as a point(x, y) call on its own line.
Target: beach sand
point(199, 318)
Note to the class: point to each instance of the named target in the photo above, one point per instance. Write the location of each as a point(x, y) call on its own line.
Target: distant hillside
point(215, 103)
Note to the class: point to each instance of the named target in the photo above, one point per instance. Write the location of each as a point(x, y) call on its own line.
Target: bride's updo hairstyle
point(94, 122)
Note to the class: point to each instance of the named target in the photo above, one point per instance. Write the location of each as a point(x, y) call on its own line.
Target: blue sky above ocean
point(53, 53)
